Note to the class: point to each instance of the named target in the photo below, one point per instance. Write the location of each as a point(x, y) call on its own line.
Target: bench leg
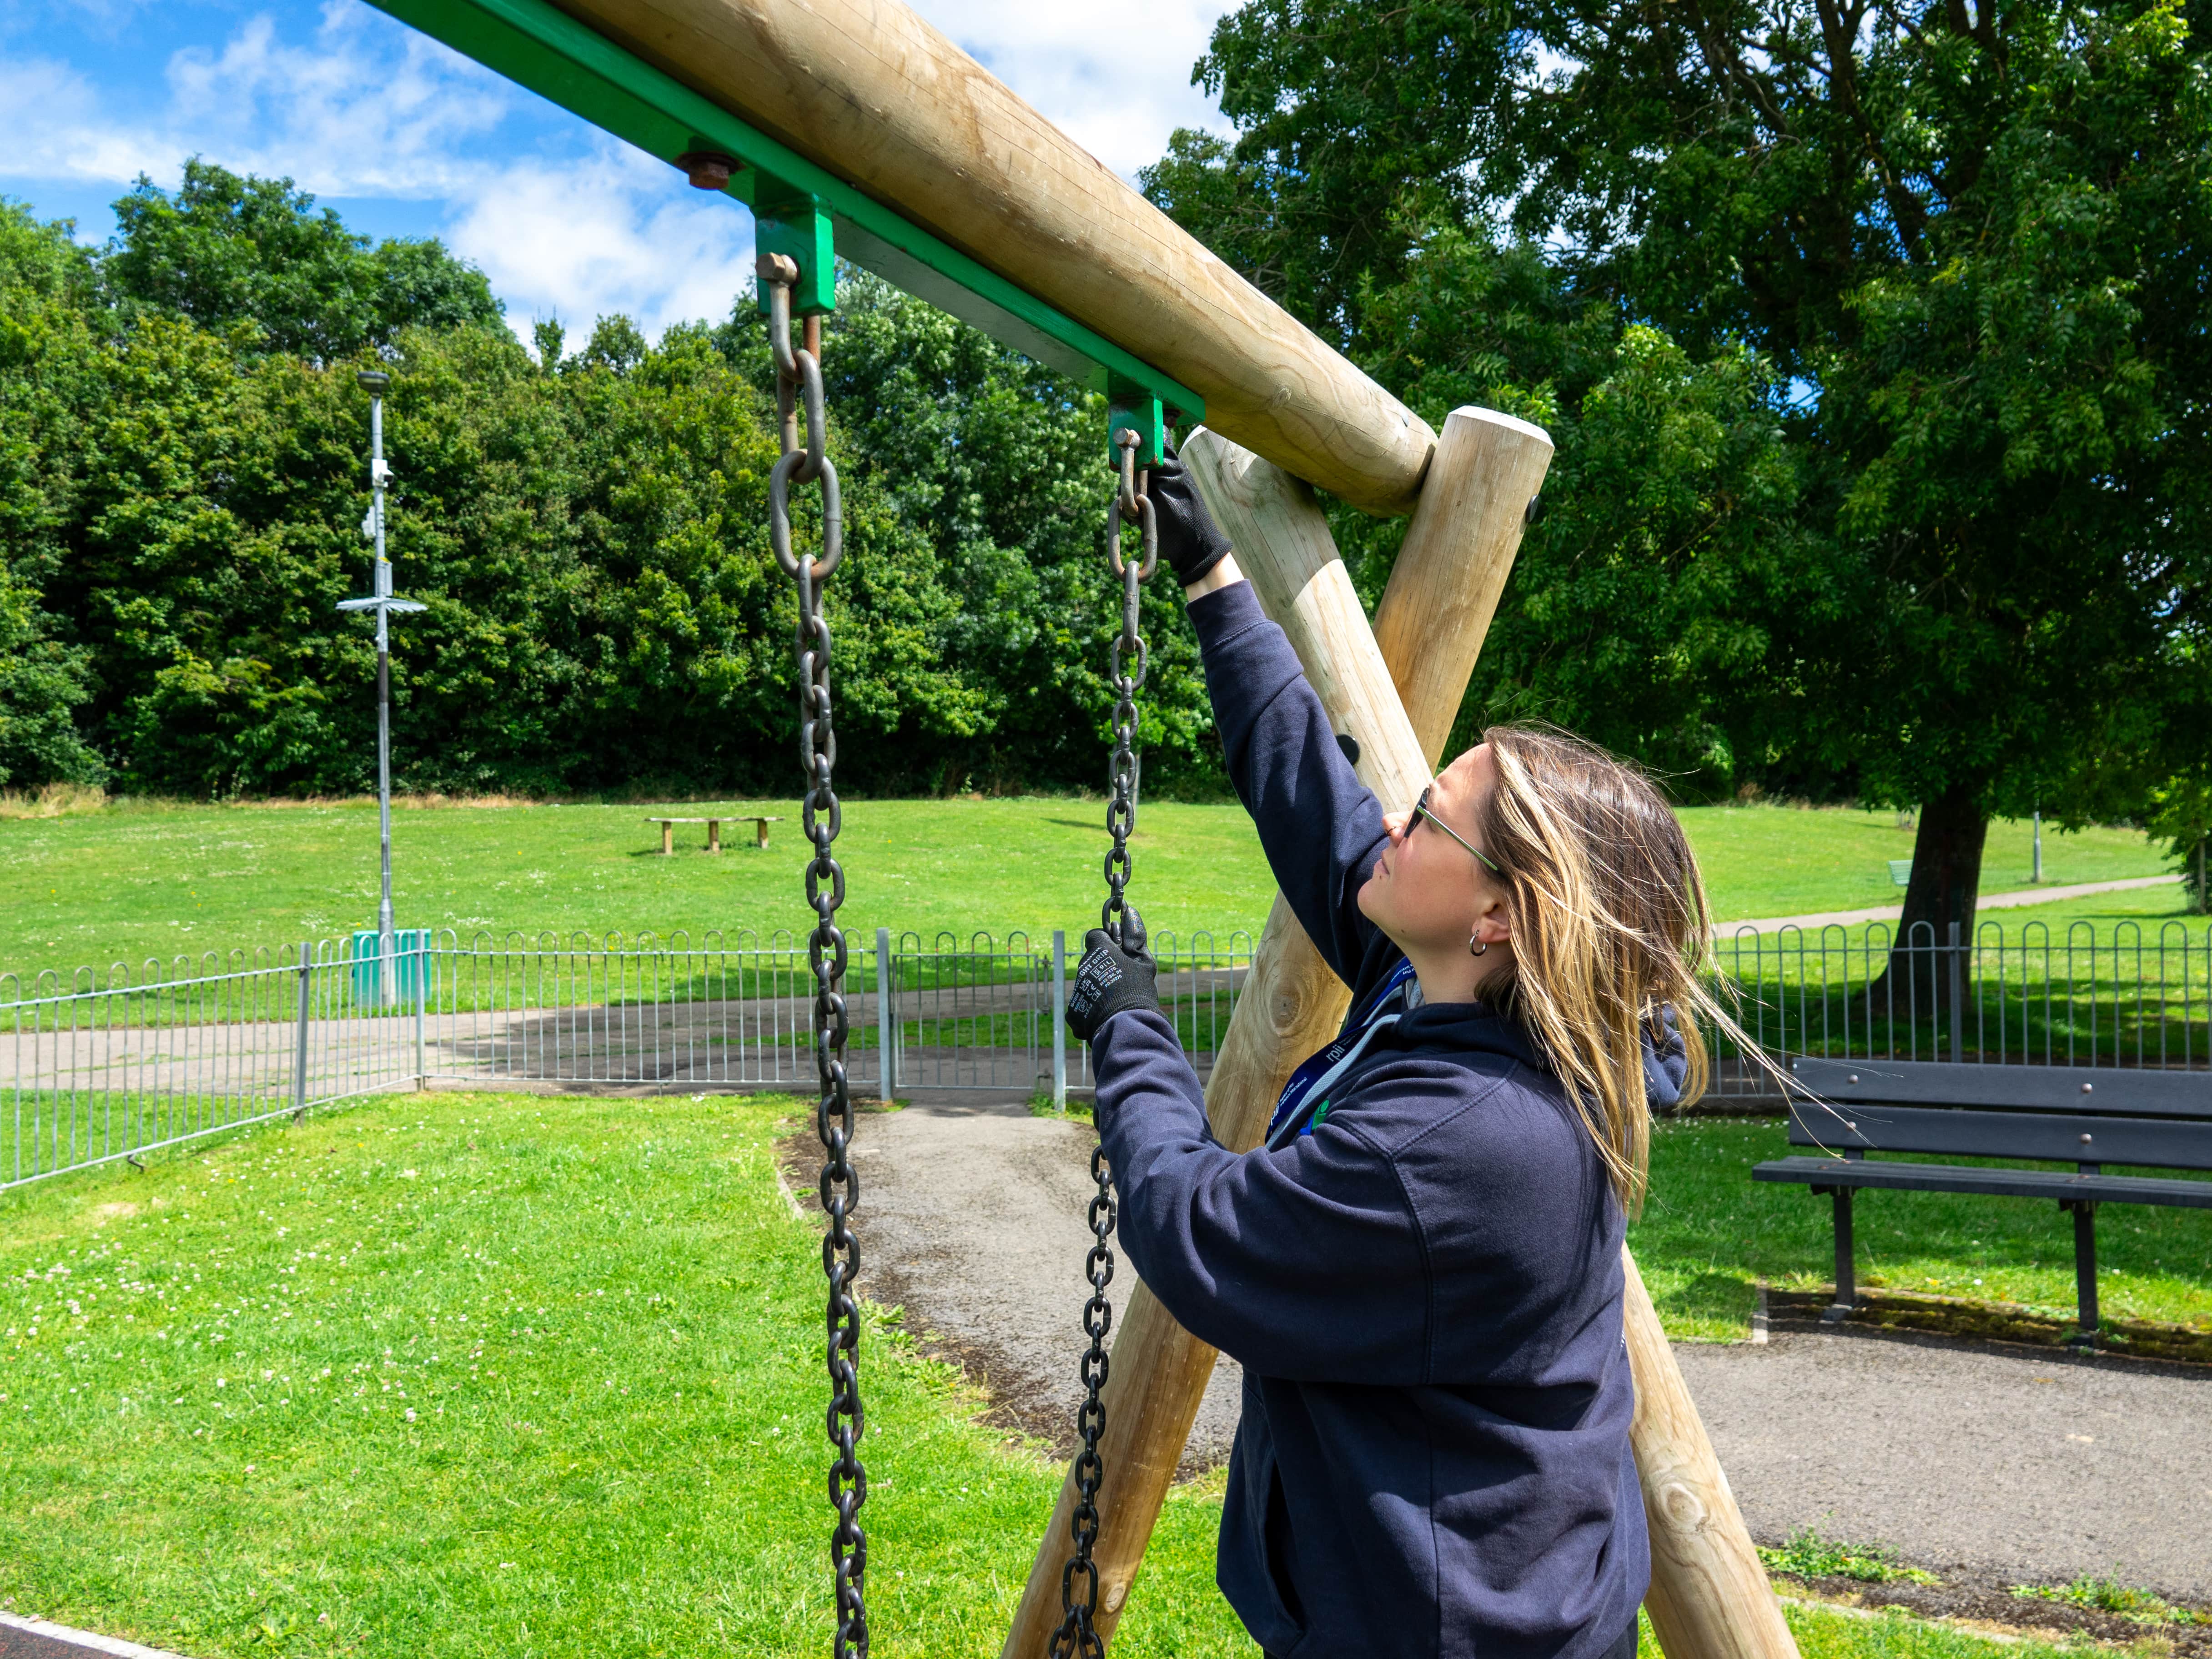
point(2085, 1271)
point(714, 834)
point(668, 840)
point(760, 832)
point(1847, 1290)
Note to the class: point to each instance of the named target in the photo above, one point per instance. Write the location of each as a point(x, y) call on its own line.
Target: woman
point(1420, 1270)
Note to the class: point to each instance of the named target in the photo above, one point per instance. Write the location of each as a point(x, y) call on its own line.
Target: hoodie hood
point(1481, 1029)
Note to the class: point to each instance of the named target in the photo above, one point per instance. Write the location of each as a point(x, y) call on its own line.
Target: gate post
point(1059, 1020)
point(299, 1044)
point(1957, 996)
point(422, 1003)
point(887, 1022)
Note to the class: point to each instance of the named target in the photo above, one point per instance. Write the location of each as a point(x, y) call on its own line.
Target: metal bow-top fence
point(2036, 997)
point(102, 1065)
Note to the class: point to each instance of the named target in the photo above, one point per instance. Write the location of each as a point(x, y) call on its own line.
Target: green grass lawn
point(126, 883)
point(457, 1375)
point(1709, 1233)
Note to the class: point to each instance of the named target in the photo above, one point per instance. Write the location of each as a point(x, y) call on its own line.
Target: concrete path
point(1991, 902)
point(2011, 1464)
point(972, 1216)
point(2007, 1465)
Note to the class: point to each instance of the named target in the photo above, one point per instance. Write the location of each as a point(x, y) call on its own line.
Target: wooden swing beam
point(852, 126)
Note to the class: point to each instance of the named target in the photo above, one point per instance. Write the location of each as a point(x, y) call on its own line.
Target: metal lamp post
point(374, 381)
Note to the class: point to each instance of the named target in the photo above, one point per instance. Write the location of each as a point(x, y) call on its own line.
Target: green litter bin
point(415, 968)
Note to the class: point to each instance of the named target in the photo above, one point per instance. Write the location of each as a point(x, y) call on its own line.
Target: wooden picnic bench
point(2087, 1117)
point(759, 822)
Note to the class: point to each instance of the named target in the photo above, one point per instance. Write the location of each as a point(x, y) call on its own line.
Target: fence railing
point(97, 1065)
point(2034, 998)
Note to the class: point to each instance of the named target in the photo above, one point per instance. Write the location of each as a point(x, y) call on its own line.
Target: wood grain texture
point(1710, 1598)
point(1453, 564)
point(870, 91)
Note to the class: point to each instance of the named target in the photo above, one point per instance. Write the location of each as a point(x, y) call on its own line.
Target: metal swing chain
point(1077, 1637)
point(798, 391)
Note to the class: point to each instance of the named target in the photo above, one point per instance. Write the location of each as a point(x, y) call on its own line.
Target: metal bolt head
point(373, 381)
point(2084, 1140)
point(1853, 1078)
point(2089, 1087)
point(707, 169)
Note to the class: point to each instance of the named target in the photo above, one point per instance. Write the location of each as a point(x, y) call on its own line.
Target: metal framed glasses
point(1423, 812)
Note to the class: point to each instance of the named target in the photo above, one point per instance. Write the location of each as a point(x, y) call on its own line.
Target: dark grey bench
point(2082, 1115)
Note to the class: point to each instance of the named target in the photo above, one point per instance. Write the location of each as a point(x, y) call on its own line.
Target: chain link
point(1078, 1637)
point(798, 391)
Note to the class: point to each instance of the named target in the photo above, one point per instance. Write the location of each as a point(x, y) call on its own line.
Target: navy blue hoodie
point(1425, 1292)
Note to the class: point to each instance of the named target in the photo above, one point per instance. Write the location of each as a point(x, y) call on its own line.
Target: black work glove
point(1110, 980)
point(1190, 541)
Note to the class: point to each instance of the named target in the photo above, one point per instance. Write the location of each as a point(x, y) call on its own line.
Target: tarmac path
point(2008, 1465)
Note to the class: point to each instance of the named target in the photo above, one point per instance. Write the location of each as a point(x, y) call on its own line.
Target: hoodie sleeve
point(1306, 1263)
point(1320, 827)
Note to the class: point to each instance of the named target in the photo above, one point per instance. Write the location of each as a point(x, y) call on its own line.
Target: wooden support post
point(1291, 1002)
point(870, 91)
point(1709, 1598)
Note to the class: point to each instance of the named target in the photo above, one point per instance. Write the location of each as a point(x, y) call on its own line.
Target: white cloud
point(622, 232)
point(1117, 81)
point(351, 106)
point(360, 112)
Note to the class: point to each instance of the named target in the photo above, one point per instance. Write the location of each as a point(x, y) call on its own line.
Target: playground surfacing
point(1988, 1465)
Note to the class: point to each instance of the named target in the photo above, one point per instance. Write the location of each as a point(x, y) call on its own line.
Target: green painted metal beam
point(531, 42)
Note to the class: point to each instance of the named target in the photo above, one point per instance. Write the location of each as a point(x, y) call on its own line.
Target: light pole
point(374, 381)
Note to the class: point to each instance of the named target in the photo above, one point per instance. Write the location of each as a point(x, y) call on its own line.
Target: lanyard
point(1318, 1071)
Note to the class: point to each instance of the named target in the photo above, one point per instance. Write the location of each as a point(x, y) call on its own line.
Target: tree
point(1970, 243)
point(226, 251)
point(52, 359)
point(588, 529)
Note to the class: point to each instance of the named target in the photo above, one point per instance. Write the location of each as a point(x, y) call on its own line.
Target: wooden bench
point(2087, 1117)
point(714, 829)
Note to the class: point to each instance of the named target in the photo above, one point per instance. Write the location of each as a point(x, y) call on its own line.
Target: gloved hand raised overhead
point(1110, 980)
point(1190, 541)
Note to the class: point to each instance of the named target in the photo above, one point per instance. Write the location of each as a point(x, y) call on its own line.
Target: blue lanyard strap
point(1325, 1065)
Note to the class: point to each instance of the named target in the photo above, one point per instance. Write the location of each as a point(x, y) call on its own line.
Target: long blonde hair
point(1611, 929)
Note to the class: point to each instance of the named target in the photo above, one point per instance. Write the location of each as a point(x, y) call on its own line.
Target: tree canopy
point(1964, 248)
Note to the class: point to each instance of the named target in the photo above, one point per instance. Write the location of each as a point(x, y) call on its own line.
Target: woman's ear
point(1493, 925)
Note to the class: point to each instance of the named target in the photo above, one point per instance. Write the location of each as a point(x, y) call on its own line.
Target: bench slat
point(1868, 1126)
point(2133, 1091)
point(1997, 1183)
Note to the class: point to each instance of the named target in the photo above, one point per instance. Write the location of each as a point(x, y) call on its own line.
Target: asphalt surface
point(973, 1218)
point(2010, 1465)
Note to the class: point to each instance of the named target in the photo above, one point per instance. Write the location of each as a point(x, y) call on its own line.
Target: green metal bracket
point(532, 42)
point(799, 226)
point(1128, 406)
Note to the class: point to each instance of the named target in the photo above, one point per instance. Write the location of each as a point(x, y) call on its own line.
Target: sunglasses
point(1424, 812)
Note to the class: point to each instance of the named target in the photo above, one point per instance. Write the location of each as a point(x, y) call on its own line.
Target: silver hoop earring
point(1476, 947)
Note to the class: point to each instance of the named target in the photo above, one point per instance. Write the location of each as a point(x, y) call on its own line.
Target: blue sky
point(405, 137)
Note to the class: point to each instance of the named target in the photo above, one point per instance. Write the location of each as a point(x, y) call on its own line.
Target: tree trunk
point(1945, 881)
